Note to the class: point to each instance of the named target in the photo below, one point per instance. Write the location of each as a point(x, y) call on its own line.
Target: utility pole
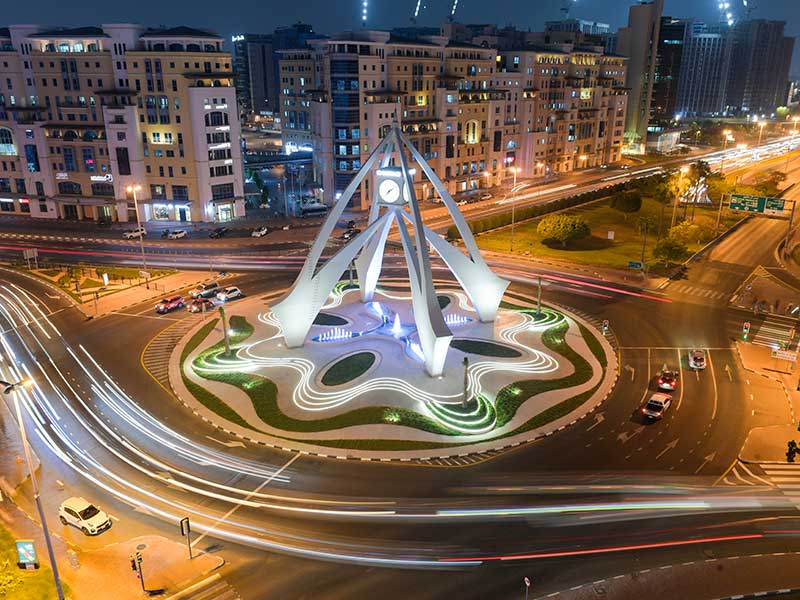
point(789, 229)
point(719, 212)
point(539, 298)
point(466, 380)
point(515, 170)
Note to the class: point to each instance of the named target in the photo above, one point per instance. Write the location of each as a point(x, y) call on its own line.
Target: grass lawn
point(348, 368)
point(597, 249)
point(18, 584)
point(52, 273)
point(90, 284)
point(483, 348)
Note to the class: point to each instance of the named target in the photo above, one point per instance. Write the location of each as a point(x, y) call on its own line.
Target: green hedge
point(537, 210)
point(348, 368)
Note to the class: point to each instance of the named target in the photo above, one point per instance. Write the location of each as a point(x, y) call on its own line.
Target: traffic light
point(133, 564)
point(605, 326)
point(745, 329)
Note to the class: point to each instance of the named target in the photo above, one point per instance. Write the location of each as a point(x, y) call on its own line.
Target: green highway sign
point(757, 204)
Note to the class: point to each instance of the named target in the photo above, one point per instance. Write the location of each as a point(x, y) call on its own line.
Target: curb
point(610, 378)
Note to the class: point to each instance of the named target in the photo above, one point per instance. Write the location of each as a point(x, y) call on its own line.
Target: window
point(216, 119)
point(69, 159)
point(102, 189)
point(20, 184)
point(222, 192)
point(7, 147)
point(39, 188)
point(120, 136)
point(5, 184)
point(69, 187)
point(88, 160)
point(180, 192)
point(158, 192)
point(32, 158)
point(123, 162)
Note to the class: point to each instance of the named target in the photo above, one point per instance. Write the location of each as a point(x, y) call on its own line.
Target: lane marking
point(714, 381)
point(266, 482)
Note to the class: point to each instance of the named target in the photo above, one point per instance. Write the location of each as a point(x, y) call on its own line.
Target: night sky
point(335, 15)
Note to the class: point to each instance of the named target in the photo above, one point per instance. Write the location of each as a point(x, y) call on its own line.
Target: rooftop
point(73, 32)
point(180, 31)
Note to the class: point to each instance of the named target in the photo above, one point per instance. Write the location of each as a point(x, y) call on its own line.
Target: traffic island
point(769, 444)
point(360, 390)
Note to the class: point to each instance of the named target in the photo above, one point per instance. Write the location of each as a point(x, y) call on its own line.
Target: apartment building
point(87, 113)
point(473, 112)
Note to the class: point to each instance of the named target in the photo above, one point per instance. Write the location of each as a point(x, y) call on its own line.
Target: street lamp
point(488, 178)
point(582, 158)
point(514, 170)
point(795, 119)
point(12, 389)
point(132, 189)
point(761, 125)
point(683, 170)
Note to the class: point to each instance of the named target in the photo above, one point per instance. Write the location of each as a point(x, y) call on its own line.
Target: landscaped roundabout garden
point(358, 386)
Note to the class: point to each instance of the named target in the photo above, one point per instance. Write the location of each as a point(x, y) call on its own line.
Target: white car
point(697, 359)
point(134, 233)
point(259, 232)
point(177, 234)
point(84, 515)
point(657, 406)
point(230, 293)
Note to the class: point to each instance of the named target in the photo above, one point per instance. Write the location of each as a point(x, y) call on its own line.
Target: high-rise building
point(668, 67)
point(255, 73)
point(87, 112)
point(758, 80)
point(472, 111)
point(705, 71)
point(256, 63)
point(639, 43)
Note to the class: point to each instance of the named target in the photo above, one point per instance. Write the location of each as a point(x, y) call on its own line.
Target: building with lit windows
point(473, 112)
point(87, 113)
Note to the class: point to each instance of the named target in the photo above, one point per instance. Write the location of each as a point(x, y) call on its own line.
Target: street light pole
point(8, 389)
point(725, 135)
point(760, 131)
point(513, 206)
point(133, 189)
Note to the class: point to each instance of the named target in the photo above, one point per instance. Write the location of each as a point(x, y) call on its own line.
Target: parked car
point(351, 224)
point(200, 305)
point(657, 406)
point(169, 304)
point(259, 232)
point(286, 227)
point(177, 234)
point(461, 202)
point(84, 515)
point(667, 380)
point(218, 232)
point(230, 293)
point(697, 359)
point(486, 196)
point(205, 290)
point(134, 233)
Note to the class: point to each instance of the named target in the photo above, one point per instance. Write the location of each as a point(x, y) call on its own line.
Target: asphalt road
point(693, 446)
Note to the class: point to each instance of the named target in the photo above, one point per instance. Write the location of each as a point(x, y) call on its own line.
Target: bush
point(627, 202)
point(670, 250)
point(563, 229)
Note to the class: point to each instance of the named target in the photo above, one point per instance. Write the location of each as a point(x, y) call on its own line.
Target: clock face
point(389, 191)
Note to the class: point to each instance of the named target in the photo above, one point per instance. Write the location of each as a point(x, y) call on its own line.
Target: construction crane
point(566, 6)
point(416, 11)
point(731, 10)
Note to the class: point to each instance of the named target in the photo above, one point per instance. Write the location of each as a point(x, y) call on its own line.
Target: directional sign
point(144, 274)
point(785, 355)
point(757, 204)
point(635, 264)
point(26, 555)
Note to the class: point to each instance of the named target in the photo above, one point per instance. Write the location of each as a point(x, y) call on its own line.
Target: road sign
point(746, 329)
point(610, 235)
point(26, 555)
point(30, 253)
point(185, 527)
point(635, 264)
point(785, 355)
point(527, 582)
point(757, 204)
point(144, 274)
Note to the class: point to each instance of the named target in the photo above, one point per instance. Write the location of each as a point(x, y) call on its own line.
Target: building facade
point(706, 62)
point(473, 112)
point(668, 67)
point(761, 56)
point(87, 113)
point(253, 63)
point(639, 42)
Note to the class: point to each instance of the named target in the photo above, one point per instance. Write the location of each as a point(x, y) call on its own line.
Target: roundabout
point(358, 388)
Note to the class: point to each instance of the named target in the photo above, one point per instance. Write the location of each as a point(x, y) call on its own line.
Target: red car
point(168, 304)
point(200, 305)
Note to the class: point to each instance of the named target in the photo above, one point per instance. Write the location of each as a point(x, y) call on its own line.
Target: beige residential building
point(88, 113)
point(472, 111)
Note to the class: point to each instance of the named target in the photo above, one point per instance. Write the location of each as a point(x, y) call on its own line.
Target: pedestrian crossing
point(773, 332)
point(743, 474)
point(698, 292)
point(211, 588)
point(158, 352)
point(785, 477)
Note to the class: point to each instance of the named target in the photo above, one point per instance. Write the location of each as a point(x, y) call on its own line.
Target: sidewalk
point(768, 444)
